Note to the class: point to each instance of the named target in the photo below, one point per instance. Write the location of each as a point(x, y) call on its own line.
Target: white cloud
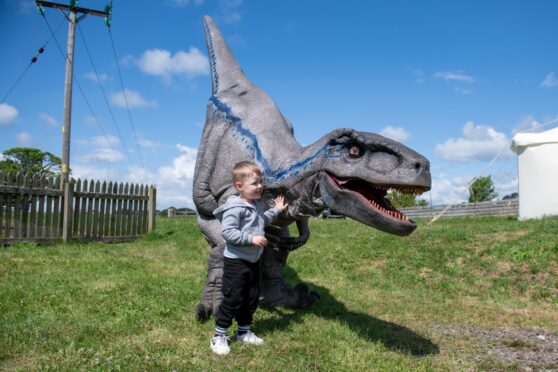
point(91, 76)
point(395, 133)
point(104, 150)
point(419, 76)
point(127, 60)
point(83, 171)
point(144, 142)
point(134, 99)
point(105, 141)
point(446, 190)
point(527, 123)
point(505, 184)
point(183, 3)
point(103, 155)
point(550, 81)
point(49, 119)
point(478, 142)
point(8, 114)
point(454, 76)
point(162, 63)
point(230, 11)
point(174, 182)
point(89, 120)
point(462, 91)
point(23, 138)
point(455, 190)
point(24, 6)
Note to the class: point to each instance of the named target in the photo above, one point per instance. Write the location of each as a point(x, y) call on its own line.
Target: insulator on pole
point(108, 18)
point(41, 10)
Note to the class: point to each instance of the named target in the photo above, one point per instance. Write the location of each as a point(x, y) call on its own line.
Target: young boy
point(242, 221)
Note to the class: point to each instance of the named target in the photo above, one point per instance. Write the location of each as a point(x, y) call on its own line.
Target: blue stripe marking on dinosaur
point(251, 141)
point(212, 59)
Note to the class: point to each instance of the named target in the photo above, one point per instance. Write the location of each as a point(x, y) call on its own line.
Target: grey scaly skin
point(345, 170)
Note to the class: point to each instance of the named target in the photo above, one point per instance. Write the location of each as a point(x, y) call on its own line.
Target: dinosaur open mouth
point(374, 195)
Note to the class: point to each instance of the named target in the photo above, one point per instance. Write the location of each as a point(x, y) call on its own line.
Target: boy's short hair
point(245, 169)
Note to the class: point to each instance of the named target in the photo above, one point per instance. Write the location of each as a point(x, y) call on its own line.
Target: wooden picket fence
point(42, 209)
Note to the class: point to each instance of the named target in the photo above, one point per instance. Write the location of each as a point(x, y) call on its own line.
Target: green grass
point(386, 302)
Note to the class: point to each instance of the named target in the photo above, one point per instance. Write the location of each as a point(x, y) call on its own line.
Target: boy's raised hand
point(259, 240)
point(280, 203)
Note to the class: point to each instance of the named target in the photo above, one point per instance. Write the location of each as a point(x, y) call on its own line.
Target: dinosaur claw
point(306, 297)
point(202, 313)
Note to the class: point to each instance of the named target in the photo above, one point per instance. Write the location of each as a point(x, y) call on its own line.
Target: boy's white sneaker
point(220, 345)
point(249, 338)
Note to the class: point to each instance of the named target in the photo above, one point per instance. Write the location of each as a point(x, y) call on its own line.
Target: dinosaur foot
point(279, 293)
point(203, 312)
point(306, 296)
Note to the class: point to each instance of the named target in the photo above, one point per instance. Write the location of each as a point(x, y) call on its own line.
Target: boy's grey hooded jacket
point(240, 221)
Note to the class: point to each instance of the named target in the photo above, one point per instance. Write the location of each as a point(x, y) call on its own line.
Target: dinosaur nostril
point(418, 166)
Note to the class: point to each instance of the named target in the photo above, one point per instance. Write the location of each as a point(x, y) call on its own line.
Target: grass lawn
point(464, 293)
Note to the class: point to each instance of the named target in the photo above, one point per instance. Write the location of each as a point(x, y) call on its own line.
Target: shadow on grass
point(393, 336)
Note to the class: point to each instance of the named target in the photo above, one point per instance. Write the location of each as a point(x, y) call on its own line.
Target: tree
point(400, 200)
point(482, 189)
point(30, 160)
point(513, 195)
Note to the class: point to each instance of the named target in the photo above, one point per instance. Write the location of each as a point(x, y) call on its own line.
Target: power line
point(103, 92)
point(73, 19)
point(126, 98)
point(81, 90)
point(33, 60)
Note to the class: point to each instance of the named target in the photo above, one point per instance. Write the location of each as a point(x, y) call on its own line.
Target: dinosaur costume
point(345, 170)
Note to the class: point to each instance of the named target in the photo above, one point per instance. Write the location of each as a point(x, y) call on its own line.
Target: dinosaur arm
point(270, 215)
point(231, 228)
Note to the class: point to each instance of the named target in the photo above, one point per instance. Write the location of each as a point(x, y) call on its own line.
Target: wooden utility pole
point(73, 20)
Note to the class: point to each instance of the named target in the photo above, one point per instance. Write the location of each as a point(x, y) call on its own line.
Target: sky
point(453, 80)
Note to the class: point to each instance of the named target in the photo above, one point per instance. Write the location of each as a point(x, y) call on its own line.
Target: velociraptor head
point(359, 170)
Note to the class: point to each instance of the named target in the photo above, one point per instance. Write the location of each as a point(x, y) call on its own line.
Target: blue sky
point(454, 80)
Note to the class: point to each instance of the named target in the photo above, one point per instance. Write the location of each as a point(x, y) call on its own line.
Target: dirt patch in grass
point(499, 237)
point(20, 363)
point(508, 348)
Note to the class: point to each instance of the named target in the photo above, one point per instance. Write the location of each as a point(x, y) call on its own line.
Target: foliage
point(482, 189)
point(389, 303)
point(30, 160)
point(400, 200)
point(513, 195)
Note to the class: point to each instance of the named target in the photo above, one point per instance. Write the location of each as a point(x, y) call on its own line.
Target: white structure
point(537, 155)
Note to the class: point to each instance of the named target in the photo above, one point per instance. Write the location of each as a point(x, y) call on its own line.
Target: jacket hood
point(232, 202)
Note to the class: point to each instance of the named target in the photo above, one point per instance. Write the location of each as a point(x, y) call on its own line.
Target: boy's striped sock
point(220, 331)
point(242, 329)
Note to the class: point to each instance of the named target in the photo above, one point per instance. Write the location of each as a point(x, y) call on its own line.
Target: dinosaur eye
point(355, 151)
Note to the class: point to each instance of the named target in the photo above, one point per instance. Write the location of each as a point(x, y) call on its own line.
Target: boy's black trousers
point(241, 292)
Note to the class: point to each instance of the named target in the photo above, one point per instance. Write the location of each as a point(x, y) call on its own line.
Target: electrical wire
point(33, 60)
point(126, 98)
point(65, 57)
point(103, 92)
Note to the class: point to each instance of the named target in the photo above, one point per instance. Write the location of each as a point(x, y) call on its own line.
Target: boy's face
point(250, 188)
